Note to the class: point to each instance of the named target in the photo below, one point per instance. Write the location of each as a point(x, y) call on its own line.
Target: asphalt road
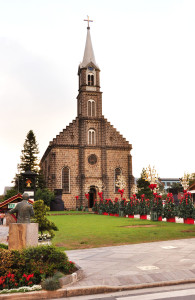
point(182, 292)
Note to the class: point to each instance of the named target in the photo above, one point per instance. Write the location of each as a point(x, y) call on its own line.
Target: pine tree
point(29, 162)
point(29, 159)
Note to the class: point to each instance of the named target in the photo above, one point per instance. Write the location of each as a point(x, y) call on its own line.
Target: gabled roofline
point(10, 199)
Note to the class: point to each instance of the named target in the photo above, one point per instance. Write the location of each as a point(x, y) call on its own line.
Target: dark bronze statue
point(23, 209)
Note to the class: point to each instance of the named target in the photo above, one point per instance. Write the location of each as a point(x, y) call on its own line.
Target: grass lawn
point(88, 231)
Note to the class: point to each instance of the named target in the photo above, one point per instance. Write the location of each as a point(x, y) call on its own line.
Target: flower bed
point(22, 289)
point(28, 267)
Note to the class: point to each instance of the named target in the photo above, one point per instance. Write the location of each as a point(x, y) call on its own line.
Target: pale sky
point(146, 53)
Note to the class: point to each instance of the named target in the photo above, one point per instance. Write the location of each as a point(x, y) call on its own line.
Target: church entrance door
point(92, 196)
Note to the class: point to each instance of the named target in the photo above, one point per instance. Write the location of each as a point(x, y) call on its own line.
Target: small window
point(118, 172)
point(66, 180)
point(91, 137)
point(91, 108)
point(90, 80)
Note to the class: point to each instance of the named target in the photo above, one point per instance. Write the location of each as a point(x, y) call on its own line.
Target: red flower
point(87, 196)
point(152, 186)
point(77, 197)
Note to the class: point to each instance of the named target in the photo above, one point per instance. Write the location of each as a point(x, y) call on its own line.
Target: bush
point(116, 206)
point(131, 206)
point(186, 207)
point(41, 261)
point(40, 217)
point(46, 195)
point(169, 209)
point(52, 283)
point(144, 205)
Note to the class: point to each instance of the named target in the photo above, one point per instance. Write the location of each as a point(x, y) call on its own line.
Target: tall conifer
point(29, 159)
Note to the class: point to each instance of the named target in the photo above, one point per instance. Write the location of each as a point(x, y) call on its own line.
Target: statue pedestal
point(22, 235)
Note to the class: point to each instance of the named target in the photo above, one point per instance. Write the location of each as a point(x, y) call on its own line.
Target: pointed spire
point(88, 54)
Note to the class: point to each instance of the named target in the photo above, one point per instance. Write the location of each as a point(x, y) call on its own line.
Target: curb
point(88, 290)
point(91, 290)
point(72, 278)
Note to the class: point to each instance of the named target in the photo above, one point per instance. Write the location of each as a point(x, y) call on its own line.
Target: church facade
point(89, 154)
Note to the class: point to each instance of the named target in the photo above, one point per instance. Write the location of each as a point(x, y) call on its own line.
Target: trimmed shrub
point(42, 261)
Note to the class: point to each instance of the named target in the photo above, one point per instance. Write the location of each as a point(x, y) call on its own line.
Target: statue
point(23, 209)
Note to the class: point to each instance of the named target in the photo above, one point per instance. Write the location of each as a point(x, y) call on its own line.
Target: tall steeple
point(89, 97)
point(88, 53)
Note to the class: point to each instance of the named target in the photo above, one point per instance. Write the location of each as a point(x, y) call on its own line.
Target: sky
point(146, 53)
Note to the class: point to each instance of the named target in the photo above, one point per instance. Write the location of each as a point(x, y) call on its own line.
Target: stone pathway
point(136, 264)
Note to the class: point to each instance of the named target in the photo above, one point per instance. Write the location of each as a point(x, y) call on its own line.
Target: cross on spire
point(88, 21)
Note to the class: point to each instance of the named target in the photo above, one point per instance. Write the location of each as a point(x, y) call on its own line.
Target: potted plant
point(186, 208)
point(130, 207)
point(169, 211)
point(110, 207)
point(144, 207)
point(157, 207)
point(106, 208)
point(101, 207)
point(95, 207)
point(122, 207)
point(116, 207)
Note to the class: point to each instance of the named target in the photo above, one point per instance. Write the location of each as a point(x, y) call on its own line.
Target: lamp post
point(29, 183)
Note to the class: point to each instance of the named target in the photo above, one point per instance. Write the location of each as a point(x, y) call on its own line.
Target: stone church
point(89, 154)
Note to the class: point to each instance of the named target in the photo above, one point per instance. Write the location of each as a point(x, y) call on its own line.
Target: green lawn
point(88, 231)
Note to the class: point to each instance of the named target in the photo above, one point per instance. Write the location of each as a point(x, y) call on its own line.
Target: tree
point(175, 188)
point(40, 217)
point(143, 187)
point(29, 160)
point(46, 195)
point(10, 193)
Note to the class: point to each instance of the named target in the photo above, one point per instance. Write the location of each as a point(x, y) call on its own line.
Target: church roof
point(88, 56)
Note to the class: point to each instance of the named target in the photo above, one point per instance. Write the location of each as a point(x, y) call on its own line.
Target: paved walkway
point(131, 265)
point(3, 234)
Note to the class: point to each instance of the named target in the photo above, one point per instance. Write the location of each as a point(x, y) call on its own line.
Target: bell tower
point(89, 99)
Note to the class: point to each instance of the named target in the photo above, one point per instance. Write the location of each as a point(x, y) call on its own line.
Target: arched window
point(91, 137)
point(66, 180)
point(91, 108)
point(117, 172)
point(90, 79)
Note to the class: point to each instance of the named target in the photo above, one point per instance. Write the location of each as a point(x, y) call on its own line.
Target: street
point(180, 292)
